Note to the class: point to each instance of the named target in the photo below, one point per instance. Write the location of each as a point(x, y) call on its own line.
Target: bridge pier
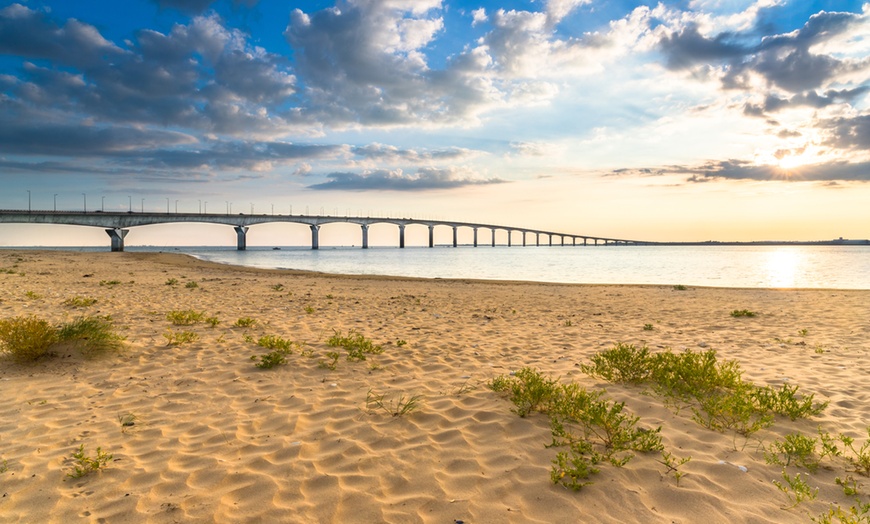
point(241, 238)
point(475, 237)
point(401, 235)
point(117, 235)
point(431, 236)
point(455, 236)
point(537, 240)
point(315, 236)
point(509, 237)
point(550, 237)
point(493, 237)
point(524, 239)
point(365, 235)
point(563, 240)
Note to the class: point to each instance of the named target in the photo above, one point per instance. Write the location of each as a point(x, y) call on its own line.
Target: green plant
point(185, 317)
point(623, 363)
point(572, 468)
point(33, 295)
point(175, 338)
point(850, 487)
point(332, 363)
point(92, 335)
point(803, 332)
point(212, 321)
point(271, 359)
point(648, 327)
point(127, 420)
point(79, 302)
point(191, 285)
point(26, 339)
point(171, 281)
point(278, 287)
point(275, 342)
point(85, 464)
point(795, 448)
point(528, 389)
point(568, 323)
point(396, 408)
point(401, 342)
point(680, 287)
point(109, 283)
point(859, 513)
point(4, 466)
point(784, 401)
point(245, 322)
point(329, 296)
point(309, 310)
point(356, 345)
point(859, 458)
point(796, 488)
point(673, 464)
point(742, 313)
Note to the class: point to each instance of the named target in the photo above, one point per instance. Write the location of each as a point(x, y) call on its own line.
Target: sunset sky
point(665, 121)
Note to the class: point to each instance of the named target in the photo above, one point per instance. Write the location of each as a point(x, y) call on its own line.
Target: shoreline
point(216, 438)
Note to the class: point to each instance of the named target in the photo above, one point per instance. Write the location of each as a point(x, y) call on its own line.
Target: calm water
point(833, 267)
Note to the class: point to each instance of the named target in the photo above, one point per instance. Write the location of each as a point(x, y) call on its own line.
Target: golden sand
point(216, 439)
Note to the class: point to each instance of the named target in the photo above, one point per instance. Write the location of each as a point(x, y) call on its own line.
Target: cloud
point(383, 180)
point(390, 154)
point(735, 169)
point(848, 132)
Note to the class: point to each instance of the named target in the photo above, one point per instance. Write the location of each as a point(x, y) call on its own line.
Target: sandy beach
point(216, 439)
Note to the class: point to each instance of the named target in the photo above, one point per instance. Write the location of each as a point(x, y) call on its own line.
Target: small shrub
point(191, 285)
point(26, 339)
point(32, 295)
point(185, 317)
point(680, 287)
point(784, 401)
point(176, 338)
point(356, 345)
point(309, 310)
point(278, 287)
point(528, 389)
point(212, 321)
point(859, 458)
point(85, 464)
point(79, 302)
point(796, 488)
point(795, 448)
point(92, 335)
point(171, 281)
point(673, 464)
point(4, 466)
point(401, 342)
point(742, 313)
point(568, 323)
point(803, 332)
point(624, 363)
point(110, 283)
point(332, 363)
point(571, 469)
point(648, 327)
point(859, 513)
point(397, 408)
point(245, 322)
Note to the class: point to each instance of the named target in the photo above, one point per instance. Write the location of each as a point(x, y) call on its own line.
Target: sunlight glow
point(781, 267)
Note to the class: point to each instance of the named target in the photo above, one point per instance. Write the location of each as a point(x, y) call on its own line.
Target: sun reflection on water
point(782, 267)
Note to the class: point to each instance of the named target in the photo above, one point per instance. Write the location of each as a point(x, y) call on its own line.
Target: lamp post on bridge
point(85, 199)
point(205, 208)
point(200, 207)
point(130, 198)
point(103, 203)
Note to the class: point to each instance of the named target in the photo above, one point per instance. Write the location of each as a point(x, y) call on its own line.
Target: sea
point(744, 266)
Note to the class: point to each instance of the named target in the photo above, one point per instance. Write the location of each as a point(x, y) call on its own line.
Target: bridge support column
point(493, 237)
point(455, 236)
point(365, 235)
point(475, 237)
point(431, 236)
point(315, 236)
point(401, 235)
point(117, 235)
point(241, 238)
point(563, 240)
point(509, 237)
point(550, 236)
point(524, 239)
point(537, 240)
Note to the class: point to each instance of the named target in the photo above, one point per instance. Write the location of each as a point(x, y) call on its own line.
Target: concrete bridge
point(117, 225)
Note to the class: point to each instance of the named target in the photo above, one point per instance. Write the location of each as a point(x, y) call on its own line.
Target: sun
point(789, 162)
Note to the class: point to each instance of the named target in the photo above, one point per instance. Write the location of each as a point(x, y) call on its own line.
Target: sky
point(679, 120)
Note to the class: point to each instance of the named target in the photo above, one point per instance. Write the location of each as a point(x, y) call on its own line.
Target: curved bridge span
point(118, 224)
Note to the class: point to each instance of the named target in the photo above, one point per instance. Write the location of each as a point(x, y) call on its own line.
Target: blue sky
point(674, 120)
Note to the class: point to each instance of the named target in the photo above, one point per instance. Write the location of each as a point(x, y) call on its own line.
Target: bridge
point(117, 225)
